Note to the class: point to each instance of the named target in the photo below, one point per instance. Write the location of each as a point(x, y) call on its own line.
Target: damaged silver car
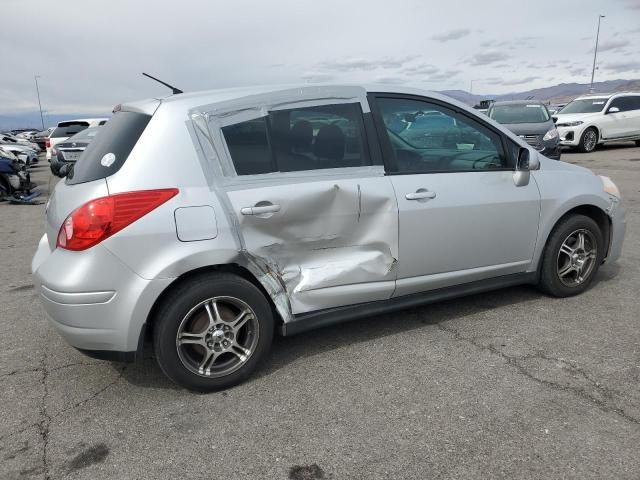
point(207, 222)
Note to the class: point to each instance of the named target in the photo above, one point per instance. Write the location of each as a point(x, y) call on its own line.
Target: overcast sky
point(89, 53)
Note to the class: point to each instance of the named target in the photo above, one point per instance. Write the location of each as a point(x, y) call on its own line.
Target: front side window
point(311, 138)
point(429, 138)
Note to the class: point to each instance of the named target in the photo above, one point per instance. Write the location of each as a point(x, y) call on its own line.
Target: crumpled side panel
point(327, 234)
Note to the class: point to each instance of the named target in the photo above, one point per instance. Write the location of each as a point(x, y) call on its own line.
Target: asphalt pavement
point(508, 384)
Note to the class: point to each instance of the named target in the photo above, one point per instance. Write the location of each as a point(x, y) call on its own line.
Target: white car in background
point(69, 128)
point(597, 119)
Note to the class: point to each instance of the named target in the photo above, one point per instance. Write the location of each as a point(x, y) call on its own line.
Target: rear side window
point(67, 129)
point(108, 151)
point(313, 138)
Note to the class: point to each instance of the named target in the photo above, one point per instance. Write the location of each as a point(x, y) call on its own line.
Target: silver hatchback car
point(206, 222)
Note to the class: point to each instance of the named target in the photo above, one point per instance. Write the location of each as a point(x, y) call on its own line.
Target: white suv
point(596, 119)
point(69, 128)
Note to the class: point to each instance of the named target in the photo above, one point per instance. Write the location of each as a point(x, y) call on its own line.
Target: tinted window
point(329, 136)
point(626, 104)
point(523, 113)
point(68, 128)
point(86, 134)
point(427, 138)
point(108, 151)
point(249, 146)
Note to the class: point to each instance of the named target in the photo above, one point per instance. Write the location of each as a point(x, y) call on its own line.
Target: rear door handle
point(420, 194)
point(260, 210)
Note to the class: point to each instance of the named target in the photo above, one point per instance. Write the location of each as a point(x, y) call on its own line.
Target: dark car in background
point(531, 121)
point(69, 151)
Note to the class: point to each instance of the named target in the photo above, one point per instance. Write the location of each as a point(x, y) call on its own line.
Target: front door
point(462, 217)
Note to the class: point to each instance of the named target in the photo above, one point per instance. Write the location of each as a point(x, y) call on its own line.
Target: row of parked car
point(583, 124)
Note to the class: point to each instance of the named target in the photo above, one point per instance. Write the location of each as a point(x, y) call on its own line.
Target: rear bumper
point(93, 300)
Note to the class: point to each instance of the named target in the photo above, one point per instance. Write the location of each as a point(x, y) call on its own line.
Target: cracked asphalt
point(507, 384)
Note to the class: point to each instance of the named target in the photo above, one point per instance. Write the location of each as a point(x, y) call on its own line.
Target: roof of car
point(606, 95)
point(208, 97)
point(98, 119)
point(518, 102)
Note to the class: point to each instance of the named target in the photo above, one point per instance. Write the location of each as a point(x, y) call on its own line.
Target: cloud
point(389, 79)
point(487, 58)
point(422, 68)
point(316, 77)
point(623, 66)
point(452, 35)
point(351, 64)
point(613, 44)
point(518, 81)
point(633, 5)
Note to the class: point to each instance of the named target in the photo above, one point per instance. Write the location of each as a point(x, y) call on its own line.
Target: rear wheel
point(572, 256)
point(637, 143)
point(588, 141)
point(212, 331)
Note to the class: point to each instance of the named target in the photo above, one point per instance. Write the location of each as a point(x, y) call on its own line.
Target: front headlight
point(550, 135)
point(610, 187)
point(571, 124)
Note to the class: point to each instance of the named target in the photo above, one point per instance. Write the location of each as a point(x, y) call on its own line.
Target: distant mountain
point(561, 93)
point(32, 119)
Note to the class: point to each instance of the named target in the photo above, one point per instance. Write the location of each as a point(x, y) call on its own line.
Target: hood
point(573, 117)
point(15, 147)
point(538, 128)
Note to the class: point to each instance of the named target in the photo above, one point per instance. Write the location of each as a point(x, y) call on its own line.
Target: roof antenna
point(174, 89)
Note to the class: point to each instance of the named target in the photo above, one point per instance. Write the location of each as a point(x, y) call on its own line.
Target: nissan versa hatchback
point(207, 222)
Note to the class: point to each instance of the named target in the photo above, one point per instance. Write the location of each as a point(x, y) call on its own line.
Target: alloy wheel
point(217, 336)
point(577, 257)
point(590, 139)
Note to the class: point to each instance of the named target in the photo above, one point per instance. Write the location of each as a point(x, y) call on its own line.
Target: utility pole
point(36, 77)
point(595, 53)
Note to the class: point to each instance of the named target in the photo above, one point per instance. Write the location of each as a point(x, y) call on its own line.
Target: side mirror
point(613, 110)
point(64, 170)
point(524, 164)
point(555, 119)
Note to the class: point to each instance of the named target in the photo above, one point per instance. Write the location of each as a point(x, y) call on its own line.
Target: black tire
point(588, 142)
point(189, 295)
point(5, 186)
point(550, 279)
point(637, 143)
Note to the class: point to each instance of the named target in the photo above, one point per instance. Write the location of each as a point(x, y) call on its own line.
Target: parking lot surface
point(507, 384)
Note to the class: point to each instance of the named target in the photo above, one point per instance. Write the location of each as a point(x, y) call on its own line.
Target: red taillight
point(47, 142)
point(98, 219)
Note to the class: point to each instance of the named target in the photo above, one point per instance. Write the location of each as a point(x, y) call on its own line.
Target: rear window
point(108, 151)
point(68, 128)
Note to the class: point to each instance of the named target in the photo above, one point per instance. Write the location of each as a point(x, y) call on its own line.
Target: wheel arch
point(594, 212)
point(233, 268)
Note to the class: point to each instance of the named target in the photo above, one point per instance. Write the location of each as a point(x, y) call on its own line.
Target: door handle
point(260, 209)
point(420, 194)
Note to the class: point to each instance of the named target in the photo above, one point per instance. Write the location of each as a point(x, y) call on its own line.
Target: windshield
point(519, 113)
point(86, 134)
point(586, 105)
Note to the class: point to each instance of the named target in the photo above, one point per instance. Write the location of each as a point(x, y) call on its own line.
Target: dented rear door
point(307, 193)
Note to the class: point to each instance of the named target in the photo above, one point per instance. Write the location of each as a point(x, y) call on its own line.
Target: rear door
point(462, 217)
point(310, 198)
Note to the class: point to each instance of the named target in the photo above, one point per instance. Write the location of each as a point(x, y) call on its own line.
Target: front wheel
point(572, 256)
point(212, 331)
point(588, 141)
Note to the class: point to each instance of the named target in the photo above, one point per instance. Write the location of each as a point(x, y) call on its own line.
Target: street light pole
point(595, 53)
point(36, 77)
